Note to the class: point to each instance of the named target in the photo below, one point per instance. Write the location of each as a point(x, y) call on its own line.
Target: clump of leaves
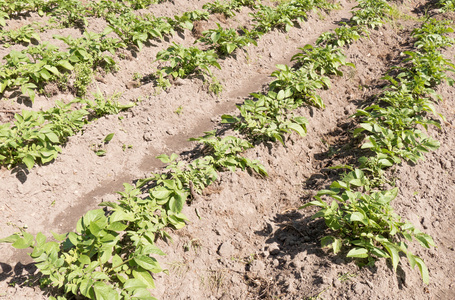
point(267, 118)
point(32, 67)
point(366, 224)
point(222, 7)
point(225, 41)
point(371, 13)
point(37, 136)
point(184, 62)
point(24, 34)
point(302, 83)
point(446, 5)
point(323, 60)
point(343, 35)
point(185, 21)
point(137, 30)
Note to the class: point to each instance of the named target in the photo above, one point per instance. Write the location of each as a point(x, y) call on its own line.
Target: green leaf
point(145, 277)
point(176, 202)
point(358, 252)
point(10, 239)
point(161, 193)
point(104, 292)
point(100, 152)
point(394, 253)
point(108, 138)
point(117, 226)
point(66, 64)
point(29, 161)
point(133, 284)
point(358, 217)
point(297, 128)
point(53, 137)
point(148, 263)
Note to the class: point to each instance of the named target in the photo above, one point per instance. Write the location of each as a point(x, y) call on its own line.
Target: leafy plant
point(221, 7)
point(184, 62)
point(36, 137)
point(370, 13)
point(447, 5)
point(267, 118)
point(68, 12)
point(366, 224)
point(24, 34)
point(323, 60)
point(223, 152)
point(225, 41)
point(302, 84)
point(32, 67)
point(185, 21)
point(135, 30)
point(343, 35)
point(99, 149)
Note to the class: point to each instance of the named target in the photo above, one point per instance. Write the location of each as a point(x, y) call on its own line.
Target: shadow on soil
point(20, 275)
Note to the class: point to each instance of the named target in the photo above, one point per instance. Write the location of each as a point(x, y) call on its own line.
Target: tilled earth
point(246, 238)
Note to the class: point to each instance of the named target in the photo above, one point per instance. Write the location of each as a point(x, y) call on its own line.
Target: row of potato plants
point(133, 30)
point(183, 62)
point(358, 210)
point(37, 136)
point(43, 63)
point(108, 257)
point(37, 65)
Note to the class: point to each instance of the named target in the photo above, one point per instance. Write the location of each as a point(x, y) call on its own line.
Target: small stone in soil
point(226, 249)
point(258, 267)
point(274, 249)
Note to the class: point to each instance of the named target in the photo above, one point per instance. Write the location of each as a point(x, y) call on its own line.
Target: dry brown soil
point(250, 241)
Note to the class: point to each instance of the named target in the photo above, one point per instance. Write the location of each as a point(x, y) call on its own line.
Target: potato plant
point(36, 137)
point(366, 224)
point(225, 41)
point(183, 62)
point(266, 118)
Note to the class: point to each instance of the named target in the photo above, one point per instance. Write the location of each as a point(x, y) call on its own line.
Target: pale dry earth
point(246, 238)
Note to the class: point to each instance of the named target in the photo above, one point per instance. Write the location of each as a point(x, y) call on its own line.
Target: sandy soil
point(251, 241)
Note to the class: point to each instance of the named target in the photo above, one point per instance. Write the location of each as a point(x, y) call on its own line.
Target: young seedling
point(99, 149)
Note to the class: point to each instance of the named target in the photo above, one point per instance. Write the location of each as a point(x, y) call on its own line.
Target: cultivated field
point(293, 149)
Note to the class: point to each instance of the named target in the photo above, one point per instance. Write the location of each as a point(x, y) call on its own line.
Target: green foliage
point(370, 13)
point(140, 4)
point(267, 117)
point(24, 34)
point(105, 8)
point(185, 21)
point(221, 7)
point(268, 18)
point(341, 36)
point(68, 12)
point(9, 7)
point(302, 83)
point(184, 62)
point(433, 35)
point(108, 257)
point(31, 67)
point(225, 41)
point(106, 106)
point(35, 137)
point(366, 224)
point(137, 30)
point(285, 14)
point(323, 60)
point(223, 153)
point(446, 5)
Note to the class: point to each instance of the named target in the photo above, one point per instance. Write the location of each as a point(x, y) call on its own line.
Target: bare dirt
point(246, 238)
